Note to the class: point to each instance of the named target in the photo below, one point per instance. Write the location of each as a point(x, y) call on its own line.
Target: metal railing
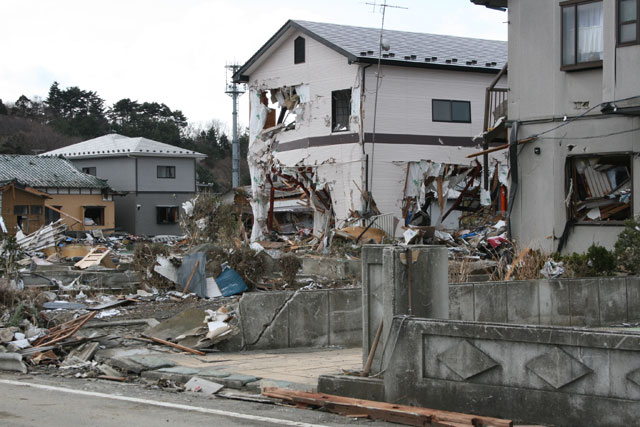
point(383, 221)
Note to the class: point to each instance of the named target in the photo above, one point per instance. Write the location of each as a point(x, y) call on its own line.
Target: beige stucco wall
point(72, 204)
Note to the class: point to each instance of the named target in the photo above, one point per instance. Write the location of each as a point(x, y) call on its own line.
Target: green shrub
point(597, 261)
point(628, 246)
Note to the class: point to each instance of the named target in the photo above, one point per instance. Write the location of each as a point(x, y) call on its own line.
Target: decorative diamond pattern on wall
point(466, 360)
point(557, 368)
point(634, 377)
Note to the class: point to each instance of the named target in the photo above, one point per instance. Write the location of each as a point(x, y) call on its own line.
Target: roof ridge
point(398, 31)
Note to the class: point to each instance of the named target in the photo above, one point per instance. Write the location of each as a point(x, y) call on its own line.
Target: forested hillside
point(69, 115)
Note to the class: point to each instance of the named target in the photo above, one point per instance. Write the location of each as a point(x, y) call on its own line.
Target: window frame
point(570, 169)
point(577, 65)
point(299, 50)
point(172, 168)
point(619, 24)
point(450, 101)
point(334, 96)
point(101, 217)
point(177, 215)
point(90, 169)
point(23, 212)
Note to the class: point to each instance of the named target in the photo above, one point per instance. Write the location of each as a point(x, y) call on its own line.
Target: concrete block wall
point(562, 302)
point(530, 374)
point(286, 319)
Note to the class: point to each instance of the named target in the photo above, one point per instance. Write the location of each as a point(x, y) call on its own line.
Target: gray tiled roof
point(39, 172)
point(118, 145)
point(358, 41)
point(360, 44)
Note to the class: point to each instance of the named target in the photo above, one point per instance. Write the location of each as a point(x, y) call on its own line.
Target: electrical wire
point(573, 119)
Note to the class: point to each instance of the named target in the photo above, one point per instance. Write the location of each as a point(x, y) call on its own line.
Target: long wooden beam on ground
point(401, 414)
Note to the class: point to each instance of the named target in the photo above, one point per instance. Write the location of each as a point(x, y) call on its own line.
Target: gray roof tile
point(357, 40)
point(38, 171)
point(407, 48)
point(117, 145)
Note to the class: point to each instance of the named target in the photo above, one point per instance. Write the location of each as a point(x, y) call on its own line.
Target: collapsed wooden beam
point(401, 414)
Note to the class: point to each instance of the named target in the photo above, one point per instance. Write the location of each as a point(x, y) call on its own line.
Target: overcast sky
point(174, 51)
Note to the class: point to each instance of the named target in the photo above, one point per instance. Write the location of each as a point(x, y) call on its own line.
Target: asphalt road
point(45, 401)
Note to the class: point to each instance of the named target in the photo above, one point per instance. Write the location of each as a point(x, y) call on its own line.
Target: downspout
point(513, 163)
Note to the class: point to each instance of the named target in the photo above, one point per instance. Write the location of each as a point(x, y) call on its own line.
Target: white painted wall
point(324, 70)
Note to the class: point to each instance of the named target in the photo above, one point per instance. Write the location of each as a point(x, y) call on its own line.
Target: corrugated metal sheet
point(38, 172)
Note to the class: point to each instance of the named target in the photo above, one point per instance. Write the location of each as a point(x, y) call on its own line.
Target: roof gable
point(114, 145)
point(360, 44)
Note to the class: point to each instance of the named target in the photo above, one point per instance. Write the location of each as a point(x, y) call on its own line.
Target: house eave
point(501, 5)
point(431, 65)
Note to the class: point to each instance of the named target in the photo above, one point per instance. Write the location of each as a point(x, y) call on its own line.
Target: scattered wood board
point(401, 414)
point(97, 256)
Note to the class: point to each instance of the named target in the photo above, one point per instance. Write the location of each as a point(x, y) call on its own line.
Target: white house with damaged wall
point(574, 80)
point(313, 112)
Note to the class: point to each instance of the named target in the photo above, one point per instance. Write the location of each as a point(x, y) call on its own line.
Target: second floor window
point(89, 171)
point(582, 42)
point(628, 19)
point(299, 51)
point(166, 171)
point(443, 110)
point(340, 110)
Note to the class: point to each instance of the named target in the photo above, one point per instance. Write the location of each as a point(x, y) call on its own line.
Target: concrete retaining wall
point(533, 374)
point(335, 269)
point(283, 319)
point(562, 302)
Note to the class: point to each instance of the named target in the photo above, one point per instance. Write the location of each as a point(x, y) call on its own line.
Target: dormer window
point(298, 51)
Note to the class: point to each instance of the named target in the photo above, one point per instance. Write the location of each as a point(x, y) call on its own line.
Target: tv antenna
point(382, 44)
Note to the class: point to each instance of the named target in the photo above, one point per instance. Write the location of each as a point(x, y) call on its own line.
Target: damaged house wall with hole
point(304, 137)
point(409, 130)
point(312, 90)
point(577, 183)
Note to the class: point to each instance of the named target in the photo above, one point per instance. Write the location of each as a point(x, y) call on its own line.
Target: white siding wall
point(324, 70)
point(404, 100)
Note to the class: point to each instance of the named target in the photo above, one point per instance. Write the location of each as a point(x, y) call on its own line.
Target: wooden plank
point(402, 414)
point(193, 271)
point(63, 213)
point(498, 148)
point(178, 346)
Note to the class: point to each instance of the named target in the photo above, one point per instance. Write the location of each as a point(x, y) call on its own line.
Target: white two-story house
point(574, 88)
point(319, 108)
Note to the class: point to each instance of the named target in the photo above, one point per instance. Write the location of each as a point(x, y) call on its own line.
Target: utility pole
point(234, 90)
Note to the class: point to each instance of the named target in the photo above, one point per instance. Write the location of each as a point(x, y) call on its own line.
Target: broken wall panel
point(390, 172)
point(339, 167)
point(323, 71)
